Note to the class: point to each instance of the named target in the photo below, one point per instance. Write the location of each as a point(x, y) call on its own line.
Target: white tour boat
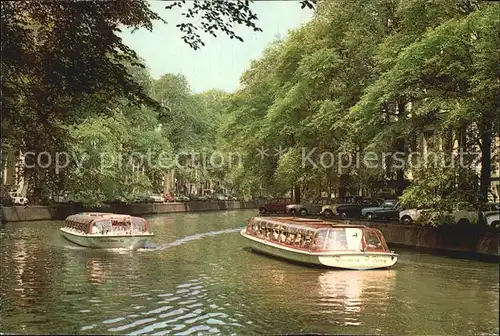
point(318, 242)
point(106, 230)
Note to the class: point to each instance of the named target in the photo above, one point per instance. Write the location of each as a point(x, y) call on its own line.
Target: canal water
point(198, 279)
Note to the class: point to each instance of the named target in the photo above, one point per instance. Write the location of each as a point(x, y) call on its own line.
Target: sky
point(220, 63)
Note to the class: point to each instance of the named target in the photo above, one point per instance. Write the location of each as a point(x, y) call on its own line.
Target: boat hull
point(130, 242)
point(340, 260)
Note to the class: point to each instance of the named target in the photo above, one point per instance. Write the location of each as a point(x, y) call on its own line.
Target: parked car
point(217, 197)
point(18, 199)
point(462, 213)
point(493, 219)
point(168, 197)
point(490, 208)
point(157, 198)
point(275, 205)
point(5, 198)
point(368, 212)
point(181, 198)
point(408, 216)
point(119, 200)
point(388, 213)
point(354, 210)
point(314, 207)
point(62, 198)
point(329, 210)
point(489, 214)
point(143, 199)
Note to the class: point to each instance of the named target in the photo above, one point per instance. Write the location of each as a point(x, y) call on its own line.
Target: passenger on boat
point(372, 241)
point(260, 231)
point(95, 229)
point(298, 240)
point(282, 235)
point(128, 227)
point(306, 243)
point(268, 233)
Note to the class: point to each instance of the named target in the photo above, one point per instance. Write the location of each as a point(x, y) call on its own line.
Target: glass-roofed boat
point(318, 242)
point(106, 230)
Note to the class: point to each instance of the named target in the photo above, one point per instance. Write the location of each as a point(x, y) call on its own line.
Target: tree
point(58, 56)
point(374, 76)
point(218, 15)
point(438, 74)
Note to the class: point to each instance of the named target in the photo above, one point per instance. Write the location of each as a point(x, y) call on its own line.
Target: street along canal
point(197, 278)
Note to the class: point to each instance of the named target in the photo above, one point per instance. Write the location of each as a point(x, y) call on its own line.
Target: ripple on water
point(131, 325)
point(189, 316)
point(174, 312)
point(205, 283)
point(158, 310)
point(114, 320)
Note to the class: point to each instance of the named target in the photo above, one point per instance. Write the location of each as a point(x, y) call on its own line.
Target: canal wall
point(467, 240)
point(61, 211)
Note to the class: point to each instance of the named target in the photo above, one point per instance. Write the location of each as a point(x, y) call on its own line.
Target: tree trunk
point(485, 179)
point(329, 183)
point(462, 140)
point(296, 194)
point(342, 188)
point(166, 185)
point(401, 148)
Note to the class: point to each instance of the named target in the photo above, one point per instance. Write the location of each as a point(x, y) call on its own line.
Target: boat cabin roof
point(304, 223)
point(317, 235)
point(88, 218)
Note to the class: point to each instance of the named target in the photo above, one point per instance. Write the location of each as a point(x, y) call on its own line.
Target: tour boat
point(318, 242)
point(106, 230)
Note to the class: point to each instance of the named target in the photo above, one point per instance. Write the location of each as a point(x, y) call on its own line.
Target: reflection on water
point(96, 272)
point(346, 291)
point(197, 278)
point(184, 309)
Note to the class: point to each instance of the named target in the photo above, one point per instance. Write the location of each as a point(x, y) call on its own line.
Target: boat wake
point(184, 240)
point(74, 247)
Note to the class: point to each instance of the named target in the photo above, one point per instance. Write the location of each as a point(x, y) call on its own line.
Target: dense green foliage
point(396, 77)
point(377, 76)
point(67, 86)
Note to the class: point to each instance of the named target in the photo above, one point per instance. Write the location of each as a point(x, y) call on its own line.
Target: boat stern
point(359, 262)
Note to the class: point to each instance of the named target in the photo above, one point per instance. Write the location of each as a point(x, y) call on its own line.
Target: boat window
point(103, 226)
point(319, 240)
point(73, 224)
point(138, 224)
point(341, 239)
point(336, 240)
point(372, 241)
point(120, 227)
point(282, 233)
